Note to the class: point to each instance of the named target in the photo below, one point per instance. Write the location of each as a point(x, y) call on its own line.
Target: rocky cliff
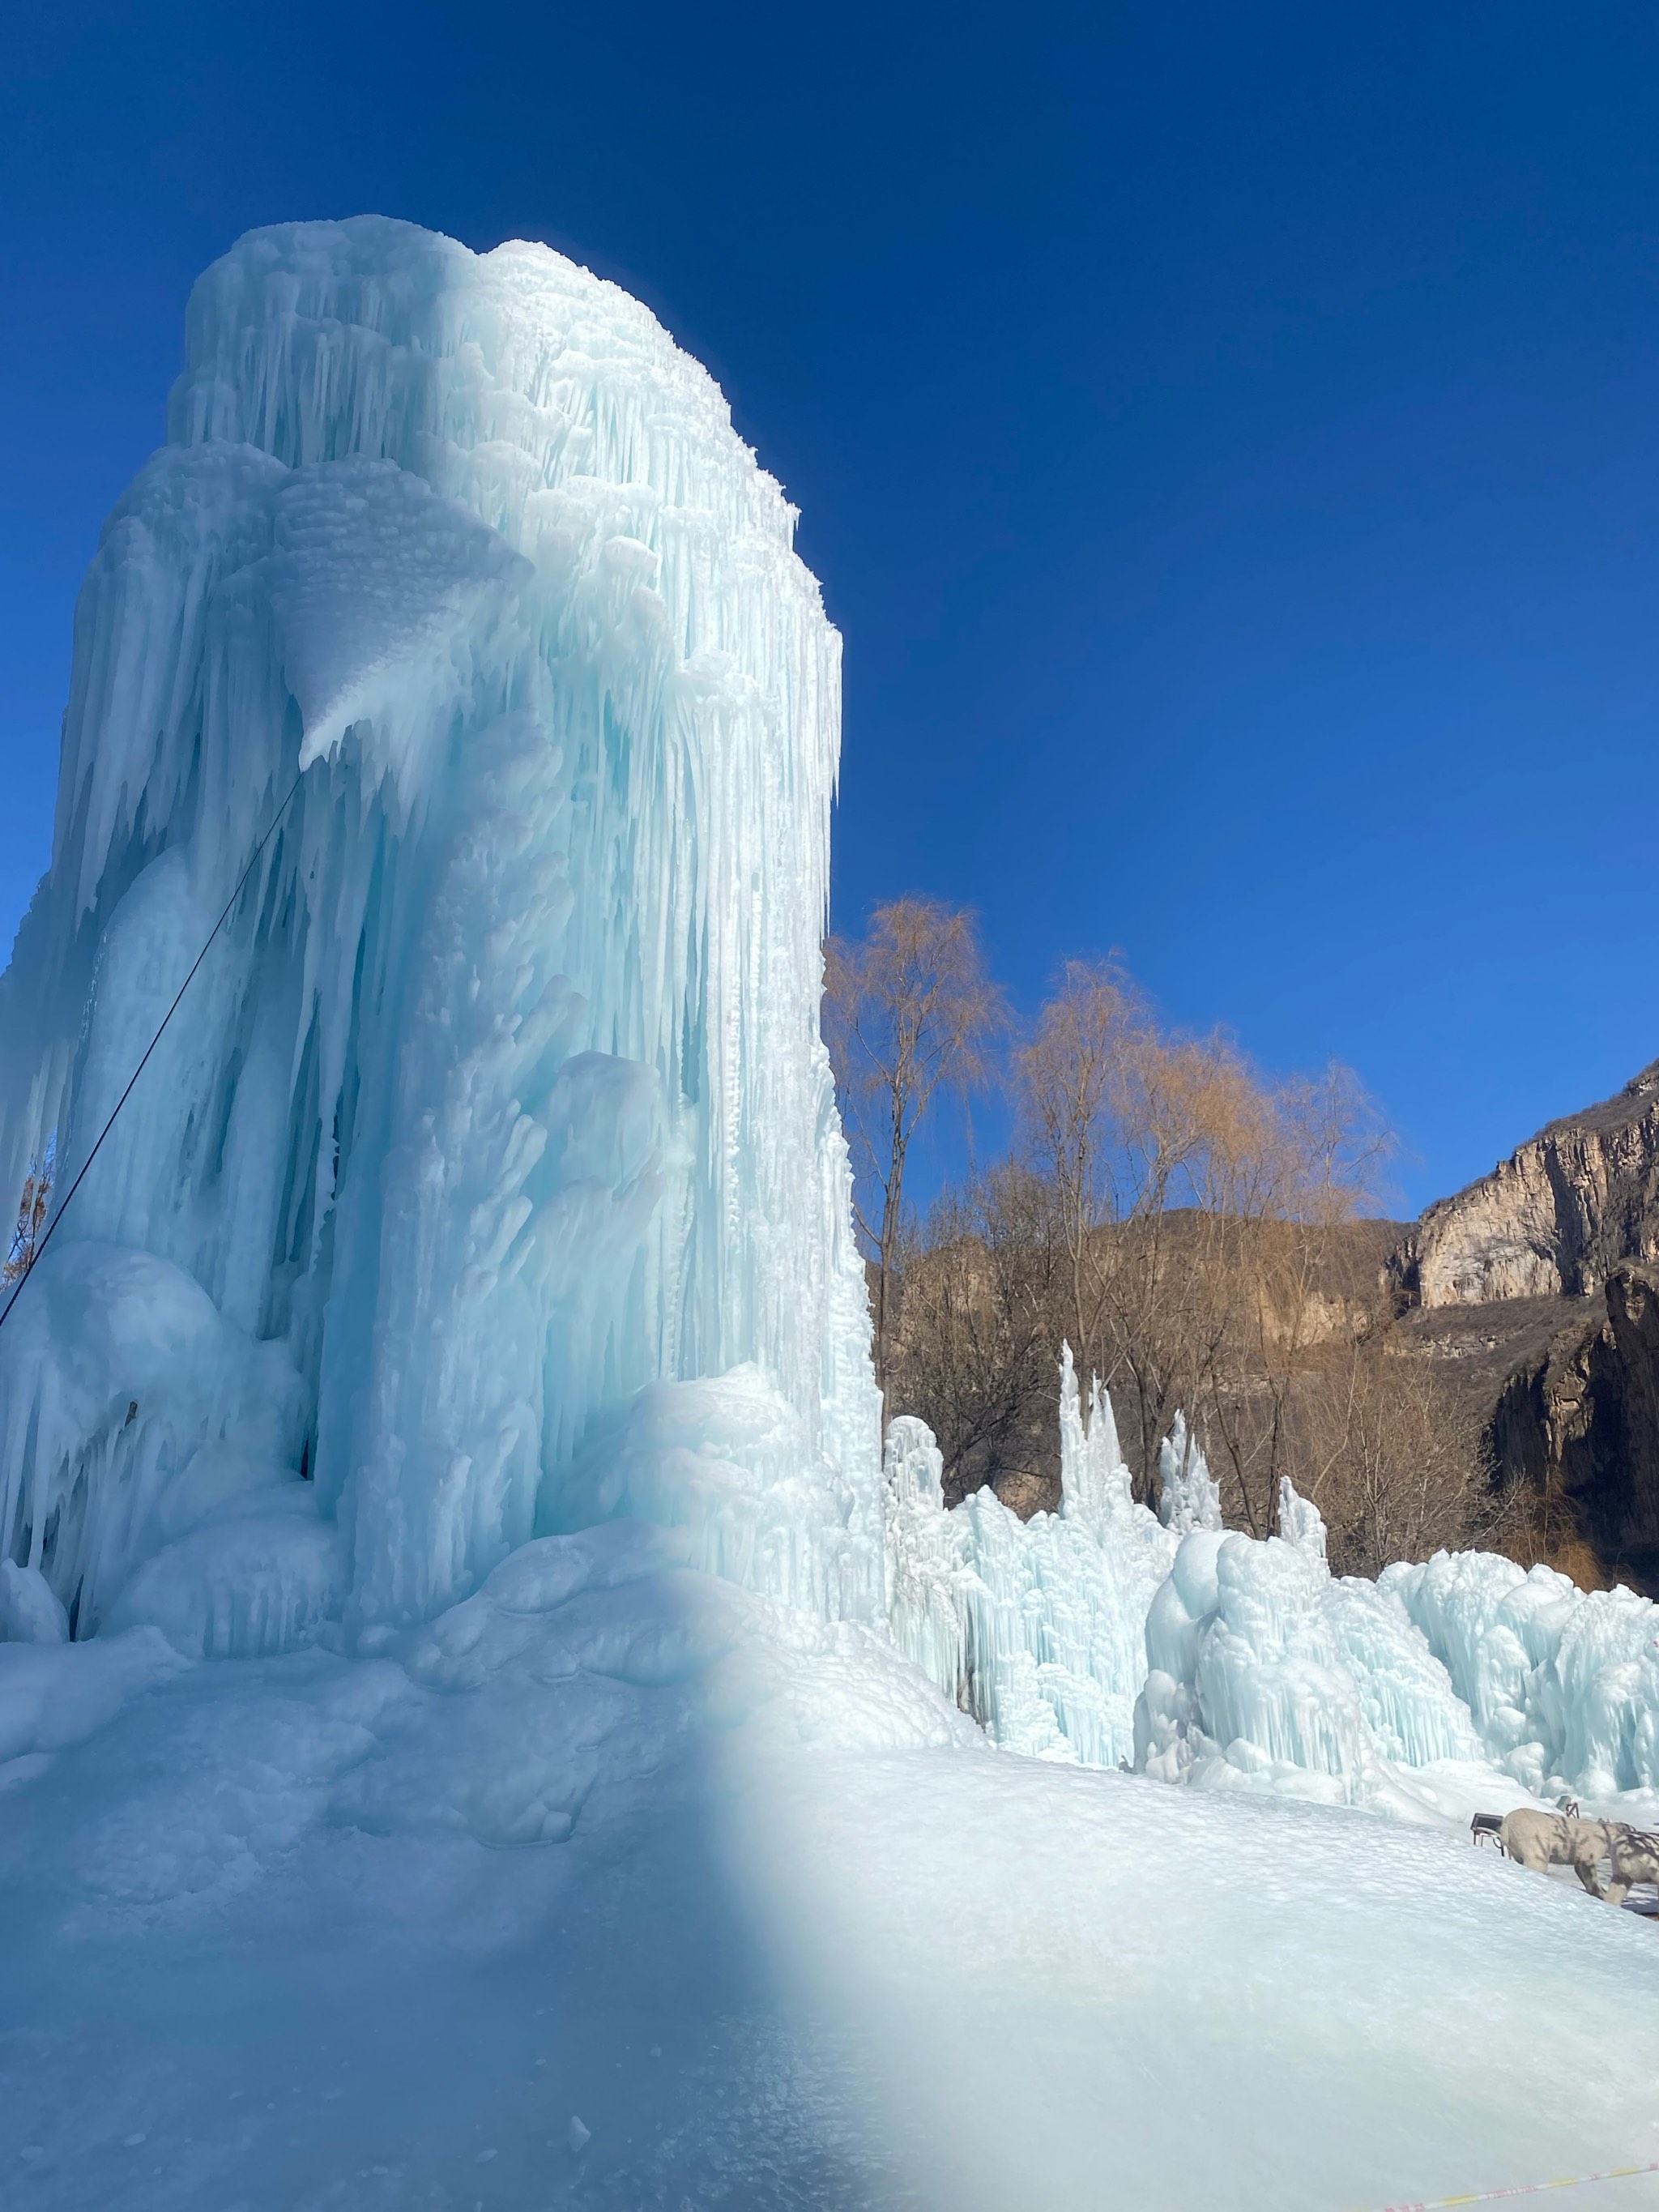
point(1539, 1284)
point(1579, 1420)
point(1554, 1219)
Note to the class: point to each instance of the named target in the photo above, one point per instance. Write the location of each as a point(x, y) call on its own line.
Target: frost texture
point(502, 1099)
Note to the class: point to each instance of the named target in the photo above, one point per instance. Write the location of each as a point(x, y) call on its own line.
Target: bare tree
point(1072, 1078)
point(1155, 1149)
point(908, 1013)
point(1314, 1147)
point(1196, 1201)
point(1394, 1461)
point(973, 1349)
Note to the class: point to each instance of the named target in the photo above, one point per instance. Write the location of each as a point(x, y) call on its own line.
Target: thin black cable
point(230, 903)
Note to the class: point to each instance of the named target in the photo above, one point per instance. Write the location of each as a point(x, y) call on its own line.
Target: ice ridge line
point(1521, 2189)
point(45, 1238)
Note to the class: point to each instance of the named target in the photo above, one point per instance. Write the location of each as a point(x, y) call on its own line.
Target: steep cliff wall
point(1537, 1286)
point(1579, 1420)
point(1554, 1219)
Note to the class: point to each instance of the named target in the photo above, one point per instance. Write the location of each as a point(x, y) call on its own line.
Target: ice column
point(1187, 1497)
point(1034, 1626)
point(502, 1097)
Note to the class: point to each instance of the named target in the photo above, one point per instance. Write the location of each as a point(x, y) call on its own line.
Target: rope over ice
point(241, 881)
point(1522, 2189)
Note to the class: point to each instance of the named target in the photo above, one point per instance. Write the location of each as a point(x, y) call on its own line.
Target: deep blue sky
point(1228, 437)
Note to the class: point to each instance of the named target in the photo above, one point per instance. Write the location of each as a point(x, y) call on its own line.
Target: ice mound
point(130, 1408)
point(729, 1461)
point(29, 1613)
point(1265, 1673)
point(261, 1575)
point(1106, 1635)
point(1563, 1683)
point(54, 1694)
point(502, 1097)
point(1035, 1627)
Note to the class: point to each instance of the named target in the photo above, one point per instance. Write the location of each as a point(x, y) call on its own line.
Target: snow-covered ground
point(613, 1844)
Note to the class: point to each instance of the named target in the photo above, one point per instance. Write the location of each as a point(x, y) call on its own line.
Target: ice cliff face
point(502, 1097)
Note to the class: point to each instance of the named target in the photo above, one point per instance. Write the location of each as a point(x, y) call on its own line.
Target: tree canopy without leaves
point(1192, 1227)
point(1193, 1197)
point(908, 1012)
point(31, 1226)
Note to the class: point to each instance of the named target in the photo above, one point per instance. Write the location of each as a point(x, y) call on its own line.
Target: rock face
point(1580, 1420)
point(1540, 1283)
point(1554, 1219)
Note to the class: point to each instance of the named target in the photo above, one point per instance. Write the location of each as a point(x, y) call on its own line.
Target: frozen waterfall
point(489, 1184)
point(502, 1099)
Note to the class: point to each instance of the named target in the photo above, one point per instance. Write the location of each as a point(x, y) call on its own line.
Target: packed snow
point(481, 1724)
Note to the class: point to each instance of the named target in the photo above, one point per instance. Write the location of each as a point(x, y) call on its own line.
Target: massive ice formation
point(488, 1181)
point(501, 1098)
point(1104, 1634)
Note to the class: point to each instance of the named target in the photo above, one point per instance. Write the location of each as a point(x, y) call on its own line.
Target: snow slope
point(613, 1842)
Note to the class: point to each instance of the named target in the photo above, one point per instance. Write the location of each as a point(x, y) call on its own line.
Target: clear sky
point(1226, 435)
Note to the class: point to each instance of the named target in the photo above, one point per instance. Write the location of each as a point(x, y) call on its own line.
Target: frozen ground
point(613, 1844)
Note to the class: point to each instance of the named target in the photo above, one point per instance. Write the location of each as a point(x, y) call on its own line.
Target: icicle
point(1187, 1498)
point(1096, 1486)
point(1301, 1526)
